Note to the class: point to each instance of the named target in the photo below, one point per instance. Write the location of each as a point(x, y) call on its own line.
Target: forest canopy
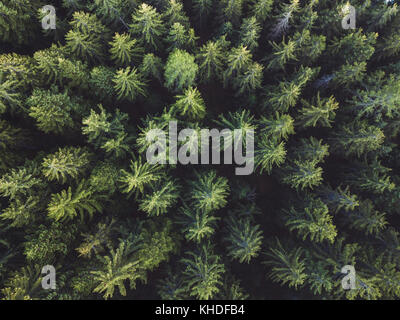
point(79, 101)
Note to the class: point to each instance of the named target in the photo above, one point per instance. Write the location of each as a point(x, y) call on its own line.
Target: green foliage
point(117, 268)
point(85, 130)
point(320, 112)
point(287, 265)
point(313, 221)
point(191, 103)
point(180, 70)
point(139, 176)
point(129, 84)
point(302, 174)
point(197, 224)
point(211, 61)
point(124, 50)
point(66, 204)
point(65, 164)
point(47, 242)
point(203, 273)
point(147, 25)
point(85, 39)
point(357, 139)
point(269, 153)
point(52, 111)
point(208, 192)
point(244, 239)
point(108, 132)
point(160, 198)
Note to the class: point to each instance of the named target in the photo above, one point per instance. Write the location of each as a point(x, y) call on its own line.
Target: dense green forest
point(79, 101)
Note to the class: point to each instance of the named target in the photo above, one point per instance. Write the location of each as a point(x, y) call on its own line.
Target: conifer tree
point(151, 67)
point(148, 26)
point(313, 221)
point(160, 198)
point(244, 239)
point(65, 164)
point(129, 84)
point(51, 110)
point(203, 272)
point(287, 265)
point(209, 192)
point(124, 49)
point(302, 174)
point(269, 153)
point(320, 112)
point(191, 103)
point(67, 204)
point(117, 268)
point(249, 33)
point(197, 224)
point(211, 61)
point(85, 39)
point(139, 176)
point(180, 70)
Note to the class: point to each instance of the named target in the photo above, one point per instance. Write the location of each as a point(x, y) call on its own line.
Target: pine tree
point(148, 26)
point(117, 268)
point(139, 176)
point(8, 97)
point(21, 182)
point(196, 224)
point(161, 197)
point(96, 125)
point(66, 204)
point(203, 272)
point(287, 266)
point(209, 192)
point(310, 149)
point(125, 50)
point(85, 39)
point(320, 112)
point(67, 163)
point(269, 153)
point(211, 61)
point(250, 79)
point(129, 84)
point(302, 174)
point(313, 221)
point(48, 243)
point(51, 110)
point(17, 21)
point(244, 239)
point(191, 103)
point(283, 22)
point(250, 33)
point(180, 70)
point(174, 13)
point(338, 199)
point(261, 9)
point(151, 67)
point(11, 140)
point(202, 9)
point(101, 82)
point(232, 10)
point(357, 139)
point(237, 61)
point(365, 218)
point(279, 127)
